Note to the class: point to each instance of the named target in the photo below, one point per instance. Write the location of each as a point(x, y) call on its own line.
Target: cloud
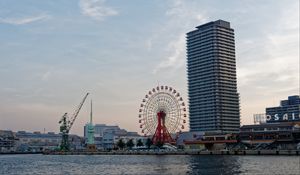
point(96, 9)
point(24, 20)
point(149, 44)
point(278, 50)
point(177, 13)
point(46, 76)
point(268, 62)
point(176, 57)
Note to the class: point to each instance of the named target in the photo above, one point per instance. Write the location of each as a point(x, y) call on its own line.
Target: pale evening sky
point(53, 52)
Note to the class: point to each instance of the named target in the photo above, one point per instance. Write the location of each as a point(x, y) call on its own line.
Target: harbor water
point(148, 164)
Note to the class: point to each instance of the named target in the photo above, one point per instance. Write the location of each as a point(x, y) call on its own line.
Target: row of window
point(210, 31)
point(208, 74)
point(213, 66)
point(216, 43)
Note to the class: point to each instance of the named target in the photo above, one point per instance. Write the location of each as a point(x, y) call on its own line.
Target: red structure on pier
point(161, 134)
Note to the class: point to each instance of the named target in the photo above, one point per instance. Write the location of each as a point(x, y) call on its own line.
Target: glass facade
point(212, 85)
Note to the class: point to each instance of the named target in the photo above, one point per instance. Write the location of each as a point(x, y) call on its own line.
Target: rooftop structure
point(289, 110)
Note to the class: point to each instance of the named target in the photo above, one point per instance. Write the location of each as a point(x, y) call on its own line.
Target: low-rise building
point(187, 136)
point(284, 135)
point(105, 136)
point(211, 141)
point(37, 141)
point(7, 141)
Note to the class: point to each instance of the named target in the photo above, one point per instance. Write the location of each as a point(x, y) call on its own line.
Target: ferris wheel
point(162, 112)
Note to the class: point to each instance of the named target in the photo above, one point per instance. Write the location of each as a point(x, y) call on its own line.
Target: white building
point(38, 141)
point(106, 136)
point(7, 141)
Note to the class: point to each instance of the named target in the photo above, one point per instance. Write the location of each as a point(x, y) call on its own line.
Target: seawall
point(240, 152)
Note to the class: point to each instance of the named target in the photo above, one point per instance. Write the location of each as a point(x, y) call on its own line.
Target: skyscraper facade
point(212, 85)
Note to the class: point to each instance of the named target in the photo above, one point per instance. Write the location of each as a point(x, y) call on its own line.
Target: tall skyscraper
point(212, 85)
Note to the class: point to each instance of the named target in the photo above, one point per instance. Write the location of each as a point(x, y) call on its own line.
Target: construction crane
point(66, 125)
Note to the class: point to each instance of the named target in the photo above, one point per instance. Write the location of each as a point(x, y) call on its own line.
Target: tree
point(159, 144)
point(121, 144)
point(139, 143)
point(149, 143)
point(130, 143)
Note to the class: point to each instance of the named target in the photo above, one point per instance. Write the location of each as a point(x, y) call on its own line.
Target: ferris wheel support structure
point(162, 134)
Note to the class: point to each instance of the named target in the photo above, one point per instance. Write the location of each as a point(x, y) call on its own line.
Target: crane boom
point(75, 114)
point(66, 125)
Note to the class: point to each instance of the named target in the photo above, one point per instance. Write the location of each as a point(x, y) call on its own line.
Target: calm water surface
point(141, 164)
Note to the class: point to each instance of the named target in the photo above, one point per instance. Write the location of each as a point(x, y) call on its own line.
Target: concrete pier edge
point(224, 153)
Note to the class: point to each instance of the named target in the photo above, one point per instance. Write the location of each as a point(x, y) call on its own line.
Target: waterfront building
point(37, 141)
point(212, 85)
point(106, 135)
point(7, 141)
point(280, 136)
point(211, 141)
point(191, 136)
point(271, 135)
point(289, 110)
point(101, 129)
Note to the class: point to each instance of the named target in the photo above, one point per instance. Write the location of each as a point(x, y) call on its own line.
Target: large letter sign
point(268, 117)
point(276, 117)
point(284, 117)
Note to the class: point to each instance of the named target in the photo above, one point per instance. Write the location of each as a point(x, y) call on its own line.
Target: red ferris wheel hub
point(161, 114)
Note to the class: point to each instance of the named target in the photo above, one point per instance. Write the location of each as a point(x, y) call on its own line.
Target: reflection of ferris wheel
point(162, 112)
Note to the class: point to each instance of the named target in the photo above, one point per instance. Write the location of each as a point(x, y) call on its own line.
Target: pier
point(239, 152)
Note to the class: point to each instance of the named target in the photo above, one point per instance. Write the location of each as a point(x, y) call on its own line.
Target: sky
point(53, 52)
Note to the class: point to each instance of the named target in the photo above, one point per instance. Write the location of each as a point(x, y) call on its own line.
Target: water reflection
point(146, 164)
point(210, 164)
